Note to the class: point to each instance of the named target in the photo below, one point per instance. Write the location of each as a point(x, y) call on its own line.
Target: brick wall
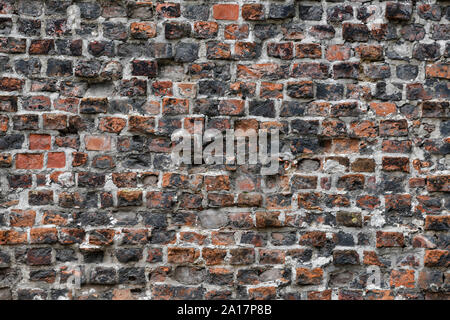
point(91, 205)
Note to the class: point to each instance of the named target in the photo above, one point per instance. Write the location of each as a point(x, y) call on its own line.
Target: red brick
point(236, 31)
point(40, 141)
point(97, 143)
point(383, 109)
point(338, 52)
point(306, 276)
point(56, 160)
point(54, 121)
point(11, 84)
point(390, 239)
point(253, 12)
point(226, 11)
point(112, 124)
point(182, 255)
point(29, 161)
point(308, 50)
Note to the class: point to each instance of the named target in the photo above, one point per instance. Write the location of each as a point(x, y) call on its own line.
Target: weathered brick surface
point(90, 92)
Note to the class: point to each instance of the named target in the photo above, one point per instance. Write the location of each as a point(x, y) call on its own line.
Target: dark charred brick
point(322, 31)
point(196, 11)
point(5, 25)
point(88, 69)
point(351, 182)
point(346, 70)
point(262, 108)
point(40, 198)
point(39, 256)
point(440, 32)
point(103, 275)
point(36, 103)
point(212, 88)
point(101, 48)
point(94, 105)
point(413, 32)
point(425, 51)
point(329, 91)
point(339, 13)
point(265, 31)
point(69, 47)
point(407, 71)
point(395, 128)
point(13, 141)
point(25, 122)
point(281, 11)
point(355, 32)
point(125, 255)
point(283, 51)
point(307, 12)
point(115, 31)
point(398, 11)
point(186, 52)
point(30, 8)
point(345, 257)
point(144, 68)
point(429, 11)
point(89, 10)
point(349, 219)
point(57, 7)
point(29, 27)
point(59, 68)
point(365, 12)
point(310, 70)
point(303, 89)
point(176, 30)
point(57, 28)
point(12, 45)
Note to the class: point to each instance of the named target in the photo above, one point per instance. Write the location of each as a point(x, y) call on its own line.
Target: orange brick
point(383, 109)
point(402, 278)
point(143, 30)
point(4, 123)
point(43, 235)
point(438, 70)
point(22, 218)
point(12, 237)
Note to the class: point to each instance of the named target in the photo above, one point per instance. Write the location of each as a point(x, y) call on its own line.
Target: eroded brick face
point(91, 92)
